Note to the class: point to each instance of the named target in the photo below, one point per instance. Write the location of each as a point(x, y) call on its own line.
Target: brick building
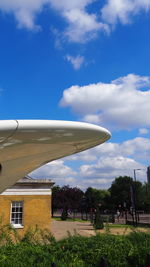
point(27, 204)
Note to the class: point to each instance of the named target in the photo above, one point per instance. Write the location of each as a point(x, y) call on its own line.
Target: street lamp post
point(135, 198)
point(135, 173)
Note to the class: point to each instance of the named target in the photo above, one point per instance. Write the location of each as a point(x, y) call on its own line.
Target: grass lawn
point(111, 225)
point(116, 229)
point(123, 229)
point(70, 220)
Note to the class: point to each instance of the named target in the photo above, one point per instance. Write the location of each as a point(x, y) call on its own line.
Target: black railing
point(143, 218)
point(87, 216)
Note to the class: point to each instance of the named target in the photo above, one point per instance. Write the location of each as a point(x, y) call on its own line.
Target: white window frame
point(15, 205)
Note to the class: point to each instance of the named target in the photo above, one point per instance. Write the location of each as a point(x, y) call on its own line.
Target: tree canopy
point(94, 197)
point(119, 194)
point(120, 191)
point(66, 196)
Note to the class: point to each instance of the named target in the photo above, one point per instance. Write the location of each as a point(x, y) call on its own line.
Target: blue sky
point(81, 60)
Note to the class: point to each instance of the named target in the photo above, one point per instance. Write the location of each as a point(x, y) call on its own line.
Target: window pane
point(16, 212)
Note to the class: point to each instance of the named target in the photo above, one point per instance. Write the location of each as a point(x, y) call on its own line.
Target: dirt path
point(60, 229)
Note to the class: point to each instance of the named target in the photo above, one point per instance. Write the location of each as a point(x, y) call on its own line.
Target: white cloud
point(109, 167)
point(99, 166)
point(143, 131)
point(76, 62)
point(54, 170)
point(82, 26)
point(88, 155)
point(58, 172)
point(123, 10)
point(137, 148)
point(92, 118)
point(71, 181)
point(96, 183)
point(101, 173)
point(25, 11)
point(120, 104)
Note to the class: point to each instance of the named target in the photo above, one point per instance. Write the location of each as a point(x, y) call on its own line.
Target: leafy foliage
point(64, 214)
point(95, 196)
point(145, 197)
point(98, 221)
point(119, 194)
point(66, 196)
point(40, 249)
point(120, 191)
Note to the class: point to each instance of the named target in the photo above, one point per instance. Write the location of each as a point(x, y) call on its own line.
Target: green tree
point(55, 199)
point(121, 193)
point(67, 197)
point(98, 221)
point(97, 196)
point(146, 197)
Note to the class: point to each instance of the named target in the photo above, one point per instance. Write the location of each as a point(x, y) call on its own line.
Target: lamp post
point(135, 198)
point(135, 173)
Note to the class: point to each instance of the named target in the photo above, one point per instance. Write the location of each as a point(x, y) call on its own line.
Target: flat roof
point(29, 180)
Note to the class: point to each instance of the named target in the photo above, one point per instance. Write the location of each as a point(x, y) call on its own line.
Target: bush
point(64, 214)
point(39, 248)
point(98, 221)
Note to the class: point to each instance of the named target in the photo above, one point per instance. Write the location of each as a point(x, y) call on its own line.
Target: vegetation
point(64, 214)
point(145, 197)
point(66, 198)
point(120, 192)
point(118, 195)
point(69, 219)
point(39, 248)
point(98, 221)
point(94, 197)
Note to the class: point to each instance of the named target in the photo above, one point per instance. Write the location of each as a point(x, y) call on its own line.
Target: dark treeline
point(119, 195)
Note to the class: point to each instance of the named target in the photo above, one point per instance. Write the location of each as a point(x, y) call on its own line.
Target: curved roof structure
point(28, 144)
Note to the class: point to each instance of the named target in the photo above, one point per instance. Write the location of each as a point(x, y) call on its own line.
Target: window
point(16, 213)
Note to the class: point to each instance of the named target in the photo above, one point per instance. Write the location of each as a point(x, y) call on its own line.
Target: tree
point(121, 193)
point(96, 196)
point(55, 199)
point(146, 197)
point(98, 221)
point(67, 198)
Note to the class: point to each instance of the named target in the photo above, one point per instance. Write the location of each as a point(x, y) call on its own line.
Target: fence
point(138, 218)
point(134, 218)
point(87, 216)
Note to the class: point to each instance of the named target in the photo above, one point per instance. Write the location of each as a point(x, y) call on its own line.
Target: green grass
point(70, 220)
point(119, 226)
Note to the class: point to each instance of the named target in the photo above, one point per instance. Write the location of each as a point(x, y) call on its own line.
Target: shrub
point(98, 221)
point(64, 214)
point(40, 249)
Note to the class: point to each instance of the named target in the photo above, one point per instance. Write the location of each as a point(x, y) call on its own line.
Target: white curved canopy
point(28, 144)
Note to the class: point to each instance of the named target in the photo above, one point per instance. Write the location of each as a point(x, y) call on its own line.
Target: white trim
point(17, 226)
point(29, 192)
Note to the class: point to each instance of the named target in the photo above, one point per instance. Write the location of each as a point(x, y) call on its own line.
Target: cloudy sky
point(81, 60)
